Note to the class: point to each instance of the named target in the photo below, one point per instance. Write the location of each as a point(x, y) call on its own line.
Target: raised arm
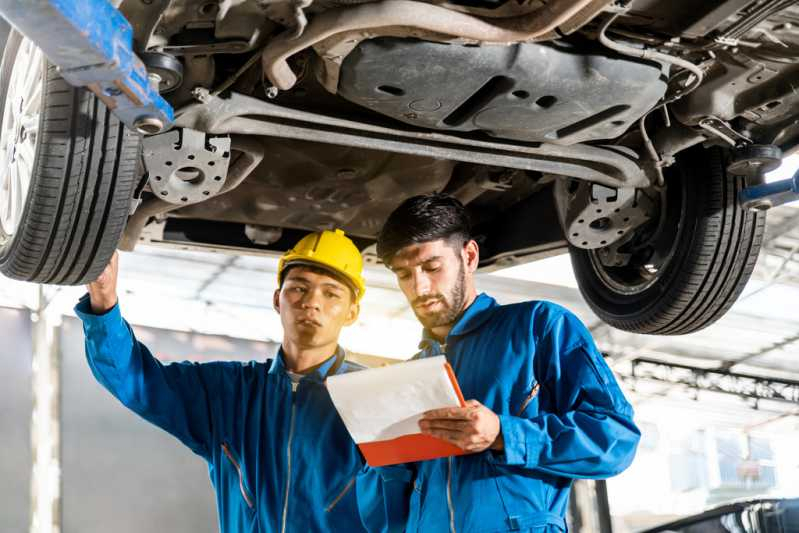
point(175, 397)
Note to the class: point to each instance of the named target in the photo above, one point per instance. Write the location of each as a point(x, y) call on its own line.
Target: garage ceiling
point(760, 332)
point(218, 293)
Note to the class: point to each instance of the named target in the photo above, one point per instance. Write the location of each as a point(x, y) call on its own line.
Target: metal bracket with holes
point(594, 216)
point(184, 166)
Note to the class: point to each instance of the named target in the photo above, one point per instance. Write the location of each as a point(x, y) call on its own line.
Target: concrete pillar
point(589, 509)
point(45, 431)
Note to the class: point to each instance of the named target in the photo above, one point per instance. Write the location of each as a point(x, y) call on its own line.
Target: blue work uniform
point(561, 412)
point(279, 457)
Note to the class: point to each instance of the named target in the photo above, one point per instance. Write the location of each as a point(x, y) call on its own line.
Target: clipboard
point(381, 408)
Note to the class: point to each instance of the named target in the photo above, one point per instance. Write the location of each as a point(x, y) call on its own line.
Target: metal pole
point(603, 506)
point(589, 509)
point(574, 517)
point(45, 431)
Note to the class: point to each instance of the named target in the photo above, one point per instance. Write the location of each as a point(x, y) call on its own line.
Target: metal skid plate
point(595, 216)
point(184, 167)
point(557, 94)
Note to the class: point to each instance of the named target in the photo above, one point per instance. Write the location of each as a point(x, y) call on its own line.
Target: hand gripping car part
point(329, 249)
point(91, 43)
point(184, 167)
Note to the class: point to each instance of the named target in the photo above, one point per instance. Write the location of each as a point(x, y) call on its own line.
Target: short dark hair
point(316, 269)
point(424, 218)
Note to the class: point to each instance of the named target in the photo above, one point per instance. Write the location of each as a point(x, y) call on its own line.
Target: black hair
point(424, 218)
point(321, 271)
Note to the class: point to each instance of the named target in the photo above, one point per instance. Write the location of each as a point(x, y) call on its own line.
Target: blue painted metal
point(91, 42)
point(768, 195)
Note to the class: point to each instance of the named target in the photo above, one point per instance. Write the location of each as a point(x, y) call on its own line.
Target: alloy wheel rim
point(19, 135)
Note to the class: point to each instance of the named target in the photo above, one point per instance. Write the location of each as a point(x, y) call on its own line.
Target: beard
point(452, 304)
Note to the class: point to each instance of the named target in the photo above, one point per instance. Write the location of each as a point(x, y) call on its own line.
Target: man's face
point(314, 307)
point(433, 277)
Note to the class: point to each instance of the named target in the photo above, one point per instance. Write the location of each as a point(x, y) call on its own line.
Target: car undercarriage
point(620, 132)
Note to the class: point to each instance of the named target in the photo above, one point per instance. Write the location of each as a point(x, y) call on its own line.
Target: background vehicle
point(620, 132)
point(755, 516)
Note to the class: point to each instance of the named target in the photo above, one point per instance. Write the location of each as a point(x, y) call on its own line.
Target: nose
point(421, 284)
point(311, 300)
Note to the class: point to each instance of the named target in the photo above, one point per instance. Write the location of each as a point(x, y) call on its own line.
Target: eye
point(333, 295)
point(403, 275)
point(434, 267)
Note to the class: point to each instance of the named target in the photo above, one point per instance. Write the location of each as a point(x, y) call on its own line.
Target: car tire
point(712, 245)
point(69, 170)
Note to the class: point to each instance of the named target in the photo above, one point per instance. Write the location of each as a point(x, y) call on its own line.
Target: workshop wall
point(120, 473)
point(16, 398)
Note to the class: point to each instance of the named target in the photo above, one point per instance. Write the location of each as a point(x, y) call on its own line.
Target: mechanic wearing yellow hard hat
point(279, 456)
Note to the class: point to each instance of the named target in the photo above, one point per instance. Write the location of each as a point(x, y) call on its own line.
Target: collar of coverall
point(474, 317)
point(329, 367)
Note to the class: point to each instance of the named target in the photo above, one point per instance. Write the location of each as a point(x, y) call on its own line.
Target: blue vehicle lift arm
point(768, 195)
point(91, 43)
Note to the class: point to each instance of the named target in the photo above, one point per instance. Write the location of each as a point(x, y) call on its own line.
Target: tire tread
point(83, 178)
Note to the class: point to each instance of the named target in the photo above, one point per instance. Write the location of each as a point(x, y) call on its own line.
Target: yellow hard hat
point(329, 249)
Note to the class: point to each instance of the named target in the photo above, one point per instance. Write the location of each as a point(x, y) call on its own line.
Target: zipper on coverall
point(331, 371)
point(288, 457)
point(449, 496)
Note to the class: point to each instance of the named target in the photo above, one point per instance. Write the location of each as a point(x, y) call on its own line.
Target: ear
point(352, 314)
point(471, 255)
point(276, 300)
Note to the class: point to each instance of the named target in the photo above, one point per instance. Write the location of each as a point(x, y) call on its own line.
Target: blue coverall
point(561, 412)
point(279, 460)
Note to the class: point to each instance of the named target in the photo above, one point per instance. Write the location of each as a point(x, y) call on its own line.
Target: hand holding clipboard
point(381, 408)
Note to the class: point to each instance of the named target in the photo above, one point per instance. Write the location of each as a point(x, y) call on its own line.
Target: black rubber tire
point(715, 252)
point(84, 172)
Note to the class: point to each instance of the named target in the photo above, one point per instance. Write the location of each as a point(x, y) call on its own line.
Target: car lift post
point(91, 43)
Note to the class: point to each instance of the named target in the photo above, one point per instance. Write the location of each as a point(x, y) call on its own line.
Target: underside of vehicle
point(620, 132)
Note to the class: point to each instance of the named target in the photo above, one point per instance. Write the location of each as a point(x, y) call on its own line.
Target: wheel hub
point(632, 264)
